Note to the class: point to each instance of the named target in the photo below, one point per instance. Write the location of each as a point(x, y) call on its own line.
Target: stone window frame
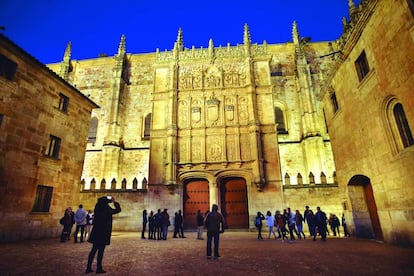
point(43, 199)
point(362, 66)
point(8, 68)
point(334, 101)
point(282, 108)
point(398, 130)
point(146, 126)
point(93, 129)
point(53, 147)
point(63, 103)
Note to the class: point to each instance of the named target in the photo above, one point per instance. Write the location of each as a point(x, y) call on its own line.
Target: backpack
point(257, 221)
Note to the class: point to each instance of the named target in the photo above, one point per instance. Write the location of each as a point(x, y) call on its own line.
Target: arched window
point(403, 127)
point(280, 120)
point(147, 126)
point(93, 130)
point(397, 126)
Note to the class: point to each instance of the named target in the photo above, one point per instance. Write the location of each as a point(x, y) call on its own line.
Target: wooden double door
point(232, 200)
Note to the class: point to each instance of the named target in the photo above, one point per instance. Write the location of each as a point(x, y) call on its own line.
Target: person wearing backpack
point(258, 223)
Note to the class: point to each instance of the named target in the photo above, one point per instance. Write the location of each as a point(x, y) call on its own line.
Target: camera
point(109, 198)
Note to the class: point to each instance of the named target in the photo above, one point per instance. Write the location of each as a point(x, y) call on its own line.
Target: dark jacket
point(102, 224)
point(213, 222)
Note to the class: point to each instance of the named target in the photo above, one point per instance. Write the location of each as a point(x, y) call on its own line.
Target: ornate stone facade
point(236, 124)
point(242, 126)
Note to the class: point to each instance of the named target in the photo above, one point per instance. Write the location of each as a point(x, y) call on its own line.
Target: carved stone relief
point(183, 114)
point(212, 77)
point(229, 109)
point(234, 75)
point(196, 152)
point(243, 110)
point(245, 147)
point(213, 110)
point(215, 148)
point(196, 113)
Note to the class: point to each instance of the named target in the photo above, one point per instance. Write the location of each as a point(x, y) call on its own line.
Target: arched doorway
point(233, 202)
point(196, 197)
point(364, 208)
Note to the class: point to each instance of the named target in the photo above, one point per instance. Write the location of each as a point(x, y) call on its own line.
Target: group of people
point(289, 224)
point(83, 221)
point(159, 222)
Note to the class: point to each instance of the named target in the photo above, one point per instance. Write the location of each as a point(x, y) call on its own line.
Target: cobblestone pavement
point(241, 254)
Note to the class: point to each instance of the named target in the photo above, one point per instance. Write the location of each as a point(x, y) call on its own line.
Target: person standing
point(299, 224)
point(270, 223)
point(67, 222)
point(89, 223)
point(335, 223)
point(80, 220)
point(280, 225)
point(258, 222)
point(320, 218)
point(101, 231)
point(165, 223)
point(180, 224)
point(144, 223)
point(175, 223)
point(157, 225)
point(214, 224)
point(346, 232)
point(151, 222)
point(200, 221)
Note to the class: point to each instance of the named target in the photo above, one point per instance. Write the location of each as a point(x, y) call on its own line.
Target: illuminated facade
point(240, 126)
point(369, 107)
point(43, 122)
point(244, 126)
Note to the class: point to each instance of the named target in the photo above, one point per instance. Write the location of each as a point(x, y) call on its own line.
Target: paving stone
point(241, 254)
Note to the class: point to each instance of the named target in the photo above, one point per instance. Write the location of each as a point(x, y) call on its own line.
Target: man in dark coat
point(214, 223)
point(101, 231)
point(320, 218)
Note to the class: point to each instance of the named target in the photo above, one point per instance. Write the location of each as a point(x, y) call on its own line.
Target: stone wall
point(31, 112)
point(365, 140)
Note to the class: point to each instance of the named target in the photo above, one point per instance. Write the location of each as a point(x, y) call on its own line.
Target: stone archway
point(234, 202)
point(196, 197)
point(364, 208)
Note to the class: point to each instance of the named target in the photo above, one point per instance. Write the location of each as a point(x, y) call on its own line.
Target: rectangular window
point(361, 65)
point(7, 68)
point(334, 102)
point(63, 103)
point(53, 147)
point(280, 120)
point(43, 199)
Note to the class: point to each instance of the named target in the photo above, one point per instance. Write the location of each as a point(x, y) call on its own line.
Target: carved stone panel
point(196, 149)
point(245, 147)
point(234, 75)
point(214, 148)
point(212, 77)
point(196, 114)
point(243, 110)
point(183, 114)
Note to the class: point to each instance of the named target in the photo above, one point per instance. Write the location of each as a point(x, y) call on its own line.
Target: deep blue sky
point(44, 27)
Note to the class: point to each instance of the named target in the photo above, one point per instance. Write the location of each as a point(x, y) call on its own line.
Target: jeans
point(82, 228)
point(213, 236)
